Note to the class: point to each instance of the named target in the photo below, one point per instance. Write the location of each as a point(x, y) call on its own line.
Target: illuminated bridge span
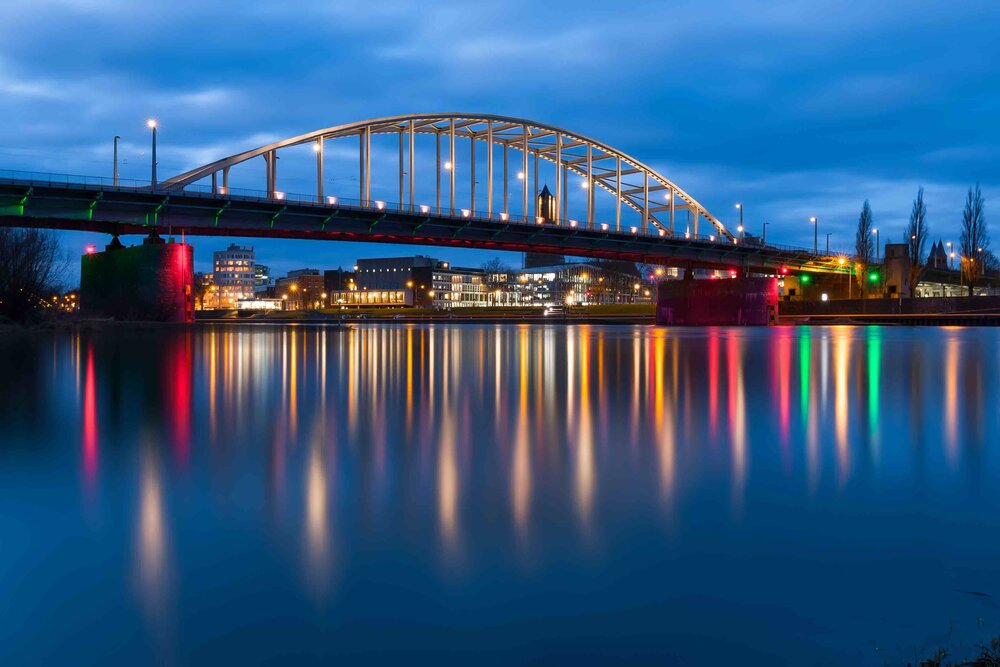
point(640, 216)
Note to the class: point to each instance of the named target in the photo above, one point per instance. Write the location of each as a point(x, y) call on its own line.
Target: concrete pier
point(728, 302)
point(151, 282)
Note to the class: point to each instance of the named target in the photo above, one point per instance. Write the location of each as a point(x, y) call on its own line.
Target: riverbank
point(927, 311)
point(604, 314)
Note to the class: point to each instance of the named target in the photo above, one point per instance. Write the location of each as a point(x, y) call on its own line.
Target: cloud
point(795, 108)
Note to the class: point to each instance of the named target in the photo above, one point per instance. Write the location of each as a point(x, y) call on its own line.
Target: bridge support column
point(732, 302)
point(149, 282)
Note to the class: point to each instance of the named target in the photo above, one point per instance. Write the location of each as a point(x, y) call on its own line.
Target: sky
point(795, 109)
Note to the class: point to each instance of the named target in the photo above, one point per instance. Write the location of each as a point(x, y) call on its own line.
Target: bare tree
point(29, 271)
point(975, 237)
point(916, 235)
point(863, 245)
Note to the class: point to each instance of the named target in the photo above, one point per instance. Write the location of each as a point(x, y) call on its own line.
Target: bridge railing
point(331, 201)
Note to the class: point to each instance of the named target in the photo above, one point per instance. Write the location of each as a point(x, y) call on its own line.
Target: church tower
point(545, 208)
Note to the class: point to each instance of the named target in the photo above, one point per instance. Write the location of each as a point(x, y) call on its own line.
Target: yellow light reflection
point(841, 357)
point(585, 473)
point(951, 366)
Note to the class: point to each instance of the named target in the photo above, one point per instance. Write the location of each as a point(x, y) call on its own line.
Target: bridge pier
point(149, 282)
point(727, 302)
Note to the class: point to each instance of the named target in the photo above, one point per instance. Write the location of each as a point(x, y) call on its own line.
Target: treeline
point(29, 271)
point(975, 256)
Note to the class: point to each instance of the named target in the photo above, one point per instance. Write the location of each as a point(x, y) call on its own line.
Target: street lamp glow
point(812, 219)
point(583, 184)
point(151, 123)
point(520, 175)
point(447, 165)
point(739, 206)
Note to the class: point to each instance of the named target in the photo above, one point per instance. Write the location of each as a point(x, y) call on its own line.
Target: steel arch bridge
point(638, 187)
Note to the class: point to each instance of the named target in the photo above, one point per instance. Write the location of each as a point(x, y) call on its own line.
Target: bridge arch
point(657, 199)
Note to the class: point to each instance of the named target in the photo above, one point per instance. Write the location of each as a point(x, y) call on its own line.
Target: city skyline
point(864, 109)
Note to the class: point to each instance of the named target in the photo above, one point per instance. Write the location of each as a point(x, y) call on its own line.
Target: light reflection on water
point(563, 490)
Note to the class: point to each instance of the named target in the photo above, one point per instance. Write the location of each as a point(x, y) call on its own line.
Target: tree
point(29, 271)
point(975, 238)
point(863, 245)
point(496, 271)
point(495, 274)
point(916, 235)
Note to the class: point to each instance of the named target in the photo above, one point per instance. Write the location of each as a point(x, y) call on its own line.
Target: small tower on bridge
point(545, 208)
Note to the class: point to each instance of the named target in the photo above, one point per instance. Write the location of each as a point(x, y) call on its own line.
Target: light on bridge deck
point(573, 223)
point(635, 230)
point(279, 195)
point(331, 200)
point(380, 205)
point(604, 226)
point(503, 216)
point(424, 208)
point(466, 213)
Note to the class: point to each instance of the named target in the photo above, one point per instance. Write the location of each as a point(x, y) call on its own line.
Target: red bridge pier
point(724, 302)
point(152, 282)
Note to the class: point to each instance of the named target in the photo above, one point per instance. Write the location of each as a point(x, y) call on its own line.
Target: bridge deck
point(139, 210)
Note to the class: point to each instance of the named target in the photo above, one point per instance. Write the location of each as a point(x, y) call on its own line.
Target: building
point(577, 283)
point(233, 276)
point(938, 256)
point(335, 280)
point(301, 289)
point(431, 282)
point(262, 278)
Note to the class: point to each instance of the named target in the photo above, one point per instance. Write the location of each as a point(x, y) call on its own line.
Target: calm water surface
point(498, 494)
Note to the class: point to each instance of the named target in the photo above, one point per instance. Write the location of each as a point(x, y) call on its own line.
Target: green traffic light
point(873, 277)
point(805, 279)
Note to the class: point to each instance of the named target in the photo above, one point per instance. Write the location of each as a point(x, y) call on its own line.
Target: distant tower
point(938, 257)
point(545, 208)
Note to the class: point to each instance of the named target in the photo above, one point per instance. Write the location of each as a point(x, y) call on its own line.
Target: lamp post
point(828, 242)
point(878, 245)
point(739, 207)
point(763, 236)
point(951, 254)
point(116, 161)
point(815, 222)
point(151, 124)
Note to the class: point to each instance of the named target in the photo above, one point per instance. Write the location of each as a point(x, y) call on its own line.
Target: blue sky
point(794, 108)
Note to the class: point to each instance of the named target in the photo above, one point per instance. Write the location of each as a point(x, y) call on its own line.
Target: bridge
point(643, 216)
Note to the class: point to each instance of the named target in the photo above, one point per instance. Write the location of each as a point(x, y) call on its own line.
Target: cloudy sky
point(794, 108)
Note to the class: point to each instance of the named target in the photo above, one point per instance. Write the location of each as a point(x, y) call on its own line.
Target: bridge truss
point(664, 208)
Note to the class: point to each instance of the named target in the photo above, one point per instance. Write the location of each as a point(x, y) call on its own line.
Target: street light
point(739, 207)
point(828, 242)
point(763, 237)
point(878, 244)
point(815, 222)
point(151, 124)
point(116, 161)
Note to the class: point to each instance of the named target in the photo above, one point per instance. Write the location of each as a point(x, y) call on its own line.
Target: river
point(498, 494)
